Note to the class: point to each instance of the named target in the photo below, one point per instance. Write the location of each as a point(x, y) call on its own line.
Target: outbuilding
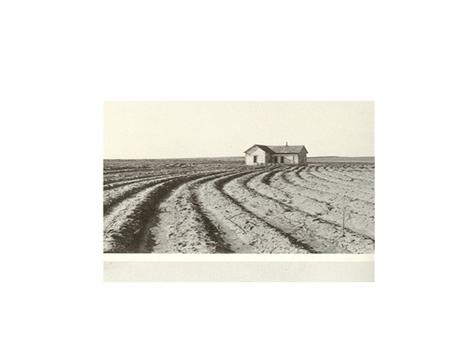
point(263, 154)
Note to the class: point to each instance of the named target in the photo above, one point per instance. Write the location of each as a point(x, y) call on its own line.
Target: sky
point(140, 130)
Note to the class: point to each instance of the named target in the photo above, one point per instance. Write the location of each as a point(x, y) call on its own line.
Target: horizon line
point(201, 157)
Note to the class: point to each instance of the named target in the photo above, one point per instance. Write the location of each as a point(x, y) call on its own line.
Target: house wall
point(288, 158)
point(262, 157)
point(302, 157)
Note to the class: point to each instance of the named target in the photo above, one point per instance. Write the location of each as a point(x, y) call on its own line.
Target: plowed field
point(223, 206)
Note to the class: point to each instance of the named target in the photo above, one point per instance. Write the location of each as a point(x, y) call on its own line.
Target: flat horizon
point(219, 157)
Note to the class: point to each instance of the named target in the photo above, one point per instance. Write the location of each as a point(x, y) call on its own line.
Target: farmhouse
point(263, 154)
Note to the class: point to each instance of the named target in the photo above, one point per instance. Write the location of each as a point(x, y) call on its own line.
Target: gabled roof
point(279, 149)
point(263, 147)
point(287, 149)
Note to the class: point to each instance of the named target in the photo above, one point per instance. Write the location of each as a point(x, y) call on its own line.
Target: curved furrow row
point(221, 245)
point(335, 181)
point(345, 176)
point(354, 172)
point(125, 181)
point(204, 208)
point(149, 174)
point(324, 236)
point(333, 187)
point(117, 194)
point(280, 216)
point(180, 226)
point(108, 171)
point(331, 199)
point(273, 171)
point(300, 177)
point(114, 196)
point(125, 227)
point(362, 170)
point(158, 169)
point(363, 180)
point(115, 178)
point(309, 206)
point(340, 179)
point(290, 194)
point(330, 210)
point(284, 183)
point(122, 182)
point(245, 231)
point(274, 174)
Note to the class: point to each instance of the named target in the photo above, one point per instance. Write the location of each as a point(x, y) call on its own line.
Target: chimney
point(286, 144)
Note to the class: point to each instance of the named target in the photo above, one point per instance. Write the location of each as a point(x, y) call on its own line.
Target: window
point(275, 159)
point(281, 159)
point(255, 159)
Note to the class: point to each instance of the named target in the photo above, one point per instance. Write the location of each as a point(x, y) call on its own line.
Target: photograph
point(239, 178)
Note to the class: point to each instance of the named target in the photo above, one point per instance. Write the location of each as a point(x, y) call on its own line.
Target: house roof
point(279, 149)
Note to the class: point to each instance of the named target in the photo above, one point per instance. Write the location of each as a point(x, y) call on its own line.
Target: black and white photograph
point(239, 190)
point(196, 178)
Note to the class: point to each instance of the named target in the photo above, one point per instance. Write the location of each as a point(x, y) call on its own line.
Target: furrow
point(366, 176)
point(319, 174)
point(125, 226)
point(309, 189)
point(344, 175)
point(334, 188)
point(291, 182)
point(345, 182)
point(121, 182)
point(281, 197)
point(114, 196)
point(179, 225)
point(359, 217)
point(245, 231)
point(324, 236)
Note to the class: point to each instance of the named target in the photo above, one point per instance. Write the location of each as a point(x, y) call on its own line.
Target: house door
point(275, 159)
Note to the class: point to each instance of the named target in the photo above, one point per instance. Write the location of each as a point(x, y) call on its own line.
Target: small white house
point(263, 154)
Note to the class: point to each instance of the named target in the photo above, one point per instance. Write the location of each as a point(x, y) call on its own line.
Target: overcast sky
point(211, 129)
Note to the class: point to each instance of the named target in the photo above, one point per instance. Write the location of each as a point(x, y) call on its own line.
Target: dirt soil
point(223, 206)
